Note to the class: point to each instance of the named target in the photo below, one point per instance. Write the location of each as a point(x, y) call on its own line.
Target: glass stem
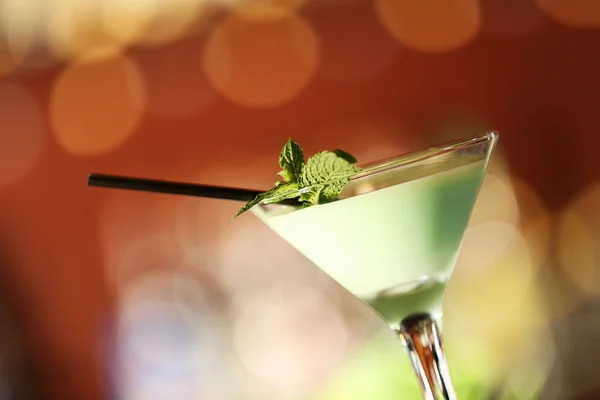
point(423, 343)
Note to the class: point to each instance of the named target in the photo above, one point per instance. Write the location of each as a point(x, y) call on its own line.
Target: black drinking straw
point(179, 188)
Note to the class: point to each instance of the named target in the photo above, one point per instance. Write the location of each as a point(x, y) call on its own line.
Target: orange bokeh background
point(209, 93)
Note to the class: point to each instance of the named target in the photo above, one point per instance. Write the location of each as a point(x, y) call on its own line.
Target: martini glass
point(392, 239)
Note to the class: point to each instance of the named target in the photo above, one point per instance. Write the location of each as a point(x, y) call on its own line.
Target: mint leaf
point(280, 192)
point(325, 167)
point(346, 156)
point(323, 177)
point(328, 169)
point(291, 160)
point(312, 196)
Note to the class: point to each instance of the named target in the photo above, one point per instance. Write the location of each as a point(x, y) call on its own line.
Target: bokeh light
point(431, 25)
point(18, 25)
point(126, 21)
point(171, 20)
point(40, 33)
point(75, 32)
point(95, 107)
point(261, 62)
point(514, 356)
point(355, 46)
point(22, 131)
point(177, 286)
point(531, 368)
point(574, 13)
point(290, 336)
point(163, 352)
point(496, 201)
point(537, 225)
point(493, 261)
point(175, 82)
point(577, 253)
point(26, 27)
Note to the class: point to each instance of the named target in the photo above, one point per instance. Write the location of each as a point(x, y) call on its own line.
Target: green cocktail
point(392, 237)
point(395, 247)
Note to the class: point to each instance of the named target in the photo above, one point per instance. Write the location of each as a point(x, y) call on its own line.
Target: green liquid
point(375, 243)
point(411, 298)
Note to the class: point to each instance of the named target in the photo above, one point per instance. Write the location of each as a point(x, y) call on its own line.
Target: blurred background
point(119, 295)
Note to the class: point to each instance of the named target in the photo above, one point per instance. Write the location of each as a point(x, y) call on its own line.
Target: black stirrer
point(180, 188)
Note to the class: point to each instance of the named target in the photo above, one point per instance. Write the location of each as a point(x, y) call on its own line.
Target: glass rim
point(401, 160)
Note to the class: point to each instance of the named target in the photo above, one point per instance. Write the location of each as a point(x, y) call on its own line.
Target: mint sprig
point(323, 176)
point(283, 191)
point(326, 173)
point(291, 160)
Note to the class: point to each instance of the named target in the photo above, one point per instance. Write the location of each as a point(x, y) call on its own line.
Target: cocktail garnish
point(320, 180)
